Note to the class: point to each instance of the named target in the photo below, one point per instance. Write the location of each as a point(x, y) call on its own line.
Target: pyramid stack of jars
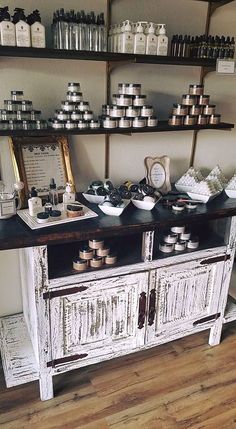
point(74, 113)
point(94, 255)
point(18, 114)
point(128, 109)
point(194, 109)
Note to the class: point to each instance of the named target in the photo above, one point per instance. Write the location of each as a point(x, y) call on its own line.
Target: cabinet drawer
point(97, 318)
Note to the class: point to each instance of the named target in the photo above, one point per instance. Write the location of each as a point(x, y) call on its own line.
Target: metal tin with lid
point(139, 100)
point(4, 124)
point(193, 243)
point(82, 106)
point(74, 96)
point(125, 122)
point(180, 109)
point(175, 120)
point(209, 109)
point(25, 105)
point(28, 125)
point(203, 120)
point(214, 119)
point(116, 111)
point(15, 124)
point(40, 124)
point(110, 122)
point(56, 124)
point(17, 95)
point(73, 87)
point(139, 122)
point(76, 115)
point(204, 100)
point(62, 115)
point(166, 247)
point(152, 121)
point(34, 114)
point(189, 99)
point(12, 105)
point(129, 88)
point(196, 109)
point(132, 112)
point(190, 120)
point(82, 124)
point(196, 89)
point(123, 100)
point(88, 115)
point(70, 125)
point(170, 238)
point(80, 264)
point(180, 245)
point(7, 115)
point(106, 109)
point(93, 124)
point(147, 111)
point(68, 106)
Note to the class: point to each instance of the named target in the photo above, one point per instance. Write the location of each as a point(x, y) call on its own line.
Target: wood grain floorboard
point(180, 385)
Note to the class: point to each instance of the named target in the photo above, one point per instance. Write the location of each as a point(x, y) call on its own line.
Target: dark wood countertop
point(14, 233)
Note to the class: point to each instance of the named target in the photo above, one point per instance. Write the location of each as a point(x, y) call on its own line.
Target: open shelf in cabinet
point(61, 256)
point(211, 234)
point(161, 127)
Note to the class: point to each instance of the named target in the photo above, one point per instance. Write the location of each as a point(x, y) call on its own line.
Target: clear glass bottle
point(53, 194)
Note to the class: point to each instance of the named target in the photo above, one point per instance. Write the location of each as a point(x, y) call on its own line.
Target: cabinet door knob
point(152, 307)
point(142, 310)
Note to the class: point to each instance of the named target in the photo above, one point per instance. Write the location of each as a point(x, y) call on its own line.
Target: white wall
point(45, 82)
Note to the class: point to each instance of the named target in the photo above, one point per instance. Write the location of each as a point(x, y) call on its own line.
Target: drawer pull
point(67, 359)
point(215, 260)
point(142, 310)
point(64, 292)
point(207, 319)
point(152, 305)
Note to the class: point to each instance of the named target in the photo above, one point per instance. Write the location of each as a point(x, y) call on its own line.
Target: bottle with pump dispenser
point(37, 30)
point(127, 38)
point(151, 39)
point(139, 38)
point(53, 194)
point(22, 28)
point(69, 195)
point(7, 28)
point(34, 203)
point(162, 40)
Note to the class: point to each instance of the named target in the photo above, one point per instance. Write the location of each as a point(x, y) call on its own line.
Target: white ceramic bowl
point(114, 211)
point(144, 205)
point(94, 199)
point(203, 198)
point(182, 188)
point(231, 193)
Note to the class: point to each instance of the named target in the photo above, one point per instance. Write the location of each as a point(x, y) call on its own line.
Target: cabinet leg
point(46, 386)
point(215, 332)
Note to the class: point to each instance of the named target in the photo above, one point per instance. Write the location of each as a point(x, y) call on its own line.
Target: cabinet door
point(98, 318)
point(181, 295)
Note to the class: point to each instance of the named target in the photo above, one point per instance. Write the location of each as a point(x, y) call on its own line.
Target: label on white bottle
point(162, 46)
point(139, 44)
point(38, 35)
point(151, 46)
point(7, 31)
point(35, 206)
point(127, 43)
point(23, 34)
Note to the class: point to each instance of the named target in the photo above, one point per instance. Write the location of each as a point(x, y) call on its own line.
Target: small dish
point(94, 199)
point(144, 205)
point(114, 211)
point(203, 198)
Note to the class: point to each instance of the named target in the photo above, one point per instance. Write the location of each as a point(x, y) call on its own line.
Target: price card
point(226, 66)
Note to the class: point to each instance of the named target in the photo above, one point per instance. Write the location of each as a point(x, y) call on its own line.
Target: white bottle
point(162, 40)
point(7, 29)
point(126, 38)
point(37, 30)
point(34, 203)
point(23, 38)
point(151, 41)
point(69, 195)
point(139, 39)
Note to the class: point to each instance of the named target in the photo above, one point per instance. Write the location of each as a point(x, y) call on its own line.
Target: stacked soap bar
point(18, 114)
point(94, 255)
point(128, 109)
point(74, 113)
point(178, 239)
point(199, 187)
point(231, 187)
point(194, 109)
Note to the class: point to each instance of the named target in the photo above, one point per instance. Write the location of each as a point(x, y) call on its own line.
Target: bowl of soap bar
point(97, 191)
point(144, 198)
point(113, 205)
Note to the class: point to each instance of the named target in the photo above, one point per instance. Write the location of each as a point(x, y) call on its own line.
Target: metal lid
point(196, 86)
point(17, 92)
point(74, 93)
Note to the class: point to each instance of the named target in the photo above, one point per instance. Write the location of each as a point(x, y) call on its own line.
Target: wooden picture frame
point(38, 159)
point(158, 173)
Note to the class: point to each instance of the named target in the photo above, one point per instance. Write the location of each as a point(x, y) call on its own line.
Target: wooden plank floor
point(182, 385)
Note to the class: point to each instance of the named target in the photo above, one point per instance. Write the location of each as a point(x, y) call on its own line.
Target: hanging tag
point(226, 66)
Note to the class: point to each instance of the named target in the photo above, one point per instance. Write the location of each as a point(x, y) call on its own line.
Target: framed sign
point(158, 173)
point(37, 159)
